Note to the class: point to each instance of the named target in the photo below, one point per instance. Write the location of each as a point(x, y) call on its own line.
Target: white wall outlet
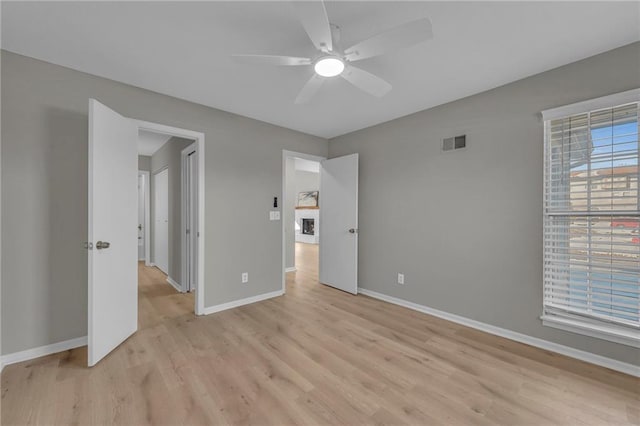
point(245, 277)
point(400, 278)
point(271, 215)
point(276, 215)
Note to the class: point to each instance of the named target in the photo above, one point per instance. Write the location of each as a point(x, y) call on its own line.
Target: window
point(592, 218)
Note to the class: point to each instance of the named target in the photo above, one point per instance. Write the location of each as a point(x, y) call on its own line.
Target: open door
point(112, 243)
point(339, 223)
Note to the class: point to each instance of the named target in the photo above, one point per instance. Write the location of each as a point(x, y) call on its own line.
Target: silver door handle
point(353, 231)
point(102, 245)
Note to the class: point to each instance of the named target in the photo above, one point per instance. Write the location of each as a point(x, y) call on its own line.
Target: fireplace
point(308, 226)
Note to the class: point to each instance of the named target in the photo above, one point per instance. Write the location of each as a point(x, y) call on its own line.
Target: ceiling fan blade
point(366, 81)
point(310, 89)
point(396, 38)
point(271, 60)
point(313, 16)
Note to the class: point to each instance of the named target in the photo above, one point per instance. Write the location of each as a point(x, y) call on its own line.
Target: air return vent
point(453, 143)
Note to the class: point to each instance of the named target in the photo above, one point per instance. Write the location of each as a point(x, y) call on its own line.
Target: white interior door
point(339, 219)
point(113, 273)
point(161, 220)
point(141, 213)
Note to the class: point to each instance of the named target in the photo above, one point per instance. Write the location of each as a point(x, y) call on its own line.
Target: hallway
point(307, 261)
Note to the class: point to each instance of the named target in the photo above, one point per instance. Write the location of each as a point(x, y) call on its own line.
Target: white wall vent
point(453, 143)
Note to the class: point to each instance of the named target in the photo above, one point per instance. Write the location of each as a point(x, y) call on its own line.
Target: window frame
point(601, 329)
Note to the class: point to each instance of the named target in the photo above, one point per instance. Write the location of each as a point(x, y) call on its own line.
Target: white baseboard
point(175, 285)
point(241, 302)
point(602, 361)
point(291, 269)
point(43, 350)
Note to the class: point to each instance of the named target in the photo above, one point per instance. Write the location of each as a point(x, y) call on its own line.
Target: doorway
point(197, 202)
point(113, 213)
point(337, 228)
point(172, 162)
point(301, 206)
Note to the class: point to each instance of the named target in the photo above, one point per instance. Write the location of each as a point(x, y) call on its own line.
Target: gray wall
point(288, 213)
point(169, 156)
point(466, 227)
point(306, 181)
point(144, 163)
point(44, 195)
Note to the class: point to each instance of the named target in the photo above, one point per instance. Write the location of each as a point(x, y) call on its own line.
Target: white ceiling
point(150, 142)
point(183, 49)
point(307, 165)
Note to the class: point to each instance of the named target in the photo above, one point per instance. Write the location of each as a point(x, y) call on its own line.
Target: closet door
point(161, 220)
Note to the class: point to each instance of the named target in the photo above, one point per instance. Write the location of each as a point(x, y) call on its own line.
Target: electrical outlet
point(245, 277)
point(400, 278)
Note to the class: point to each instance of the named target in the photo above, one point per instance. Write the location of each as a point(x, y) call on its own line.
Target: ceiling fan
point(331, 60)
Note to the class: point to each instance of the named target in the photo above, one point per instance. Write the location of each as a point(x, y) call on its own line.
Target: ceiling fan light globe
point(329, 67)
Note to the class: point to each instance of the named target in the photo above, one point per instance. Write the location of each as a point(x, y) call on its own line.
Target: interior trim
point(242, 302)
point(175, 285)
point(33, 353)
point(602, 361)
point(609, 101)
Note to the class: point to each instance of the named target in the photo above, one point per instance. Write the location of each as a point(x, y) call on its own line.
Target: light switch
point(276, 215)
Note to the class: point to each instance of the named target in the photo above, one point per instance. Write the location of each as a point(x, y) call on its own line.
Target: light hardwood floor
point(313, 356)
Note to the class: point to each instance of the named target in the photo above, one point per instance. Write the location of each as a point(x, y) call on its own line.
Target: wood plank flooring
point(315, 356)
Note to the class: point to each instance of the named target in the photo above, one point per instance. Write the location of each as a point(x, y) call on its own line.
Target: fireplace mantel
point(307, 207)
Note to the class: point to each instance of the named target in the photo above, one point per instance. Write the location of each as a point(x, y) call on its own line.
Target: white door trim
point(289, 154)
point(184, 154)
point(199, 140)
point(147, 216)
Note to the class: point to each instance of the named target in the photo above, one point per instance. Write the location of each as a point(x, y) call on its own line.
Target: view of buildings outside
point(592, 184)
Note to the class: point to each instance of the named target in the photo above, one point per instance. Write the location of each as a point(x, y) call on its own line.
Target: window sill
point(601, 331)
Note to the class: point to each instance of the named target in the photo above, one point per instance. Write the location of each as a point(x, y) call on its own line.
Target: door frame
point(290, 154)
point(199, 141)
point(184, 154)
point(147, 216)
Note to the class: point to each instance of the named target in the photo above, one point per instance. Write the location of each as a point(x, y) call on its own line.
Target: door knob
point(353, 231)
point(102, 245)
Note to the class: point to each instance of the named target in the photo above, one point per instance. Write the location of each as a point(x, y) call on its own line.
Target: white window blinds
point(592, 217)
